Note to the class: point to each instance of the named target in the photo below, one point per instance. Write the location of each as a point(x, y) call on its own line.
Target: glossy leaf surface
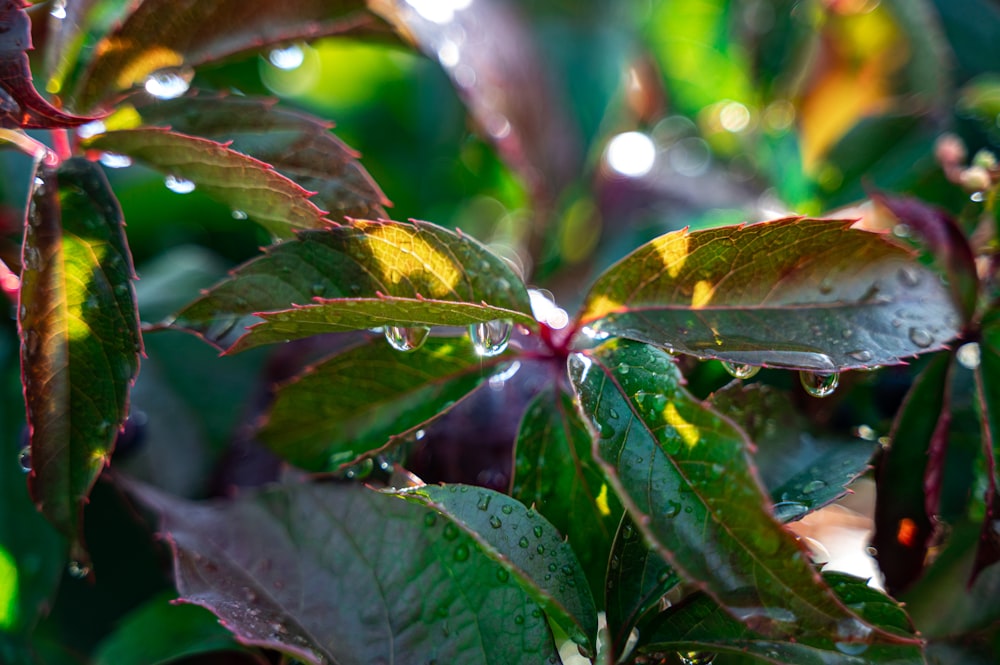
point(905, 502)
point(361, 276)
point(797, 293)
point(80, 340)
point(299, 568)
point(701, 625)
point(988, 389)
point(685, 477)
point(299, 146)
point(554, 470)
point(245, 183)
point(162, 35)
point(527, 545)
point(357, 402)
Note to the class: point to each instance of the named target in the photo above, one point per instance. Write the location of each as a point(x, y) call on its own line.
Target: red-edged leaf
point(165, 34)
point(798, 293)
point(909, 476)
point(20, 104)
point(245, 183)
point(297, 145)
point(80, 340)
point(988, 389)
point(683, 472)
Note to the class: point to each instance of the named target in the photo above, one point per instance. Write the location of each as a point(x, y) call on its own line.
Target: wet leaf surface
point(80, 340)
point(796, 293)
point(269, 198)
point(699, 624)
point(158, 35)
point(554, 470)
point(361, 276)
point(684, 474)
point(909, 476)
point(364, 399)
point(526, 544)
point(339, 573)
point(299, 146)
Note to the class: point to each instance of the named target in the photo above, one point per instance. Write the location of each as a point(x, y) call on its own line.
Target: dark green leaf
point(162, 35)
point(359, 402)
point(554, 470)
point(361, 276)
point(161, 632)
point(684, 475)
point(277, 203)
point(796, 293)
point(299, 146)
point(988, 389)
point(909, 476)
point(801, 472)
point(343, 574)
point(80, 340)
point(527, 545)
point(699, 624)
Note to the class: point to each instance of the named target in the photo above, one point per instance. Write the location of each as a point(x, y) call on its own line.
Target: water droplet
point(813, 486)
point(552, 567)
point(507, 509)
point(58, 10)
point(519, 619)
point(178, 185)
point(740, 371)
point(921, 337)
point(523, 542)
point(461, 553)
point(490, 338)
point(169, 83)
point(502, 575)
point(861, 355)
point(909, 276)
point(623, 369)
point(288, 58)
point(786, 511)
point(317, 289)
point(540, 549)
point(77, 570)
point(613, 414)
point(696, 657)
point(239, 214)
point(847, 333)
point(484, 502)
point(406, 339)
point(673, 509)
point(969, 356)
point(450, 531)
point(628, 532)
point(24, 459)
point(361, 470)
point(538, 531)
point(819, 385)
point(495, 522)
point(430, 519)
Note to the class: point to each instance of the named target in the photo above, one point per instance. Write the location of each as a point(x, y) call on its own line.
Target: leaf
point(20, 104)
point(162, 34)
point(361, 276)
point(683, 473)
point(797, 293)
point(343, 574)
point(699, 624)
point(988, 393)
point(299, 146)
point(801, 472)
point(554, 471)
point(161, 632)
point(359, 402)
point(80, 340)
point(908, 476)
point(238, 180)
point(525, 544)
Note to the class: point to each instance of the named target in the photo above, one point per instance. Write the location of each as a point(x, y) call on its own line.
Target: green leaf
point(80, 339)
point(797, 293)
point(684, 475)
point(801, 472)
point(161, 632)
point(277, 203)
point(361, 276)
point(909, 476)
point(363, 400)
point(299, 146)
point(554, 470)
point(338, 573)
point(162, 35)
point(988, 393)
point(699, 624)
point(525, 544)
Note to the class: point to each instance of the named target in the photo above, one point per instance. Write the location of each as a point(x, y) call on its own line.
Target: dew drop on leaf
point(288, 58)
point(461, 552)
point(696, 657)
point(490, 338)
point(169, 83)
point(450, 532)
point(406, 339)
point(673, 509)
point(813, 486)
point(909, 276)
point(58, 10)
point(507, 509)
point(819, 385)
point(113, 160)
point(921, 337)
point(502, 575)
point(519, 619)
point(430, 519)
point(538, 531)
point(178, 185)
point(24, 459)
point(77, 570)
point(861, 355)
point(523, 542)
point(495, 522)
point(739, 371)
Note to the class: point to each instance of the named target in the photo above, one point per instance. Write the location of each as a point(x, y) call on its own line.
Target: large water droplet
point(169, 83)
point(24, 459)
point(113, 160)
point(484, 502)
point(969, 355)
point(288, 58)
point(178, 185)
point(406, 339)
point(490, 338)
point(58, 10)
point(740, 371)
point(819, 385)
point(921, 337)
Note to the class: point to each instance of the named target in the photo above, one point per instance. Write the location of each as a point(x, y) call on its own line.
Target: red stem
point(60, 143)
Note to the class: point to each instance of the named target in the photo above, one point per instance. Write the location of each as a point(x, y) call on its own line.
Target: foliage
point(383, 441)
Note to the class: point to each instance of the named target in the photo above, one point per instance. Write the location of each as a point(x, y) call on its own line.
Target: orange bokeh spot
point(906, 534)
